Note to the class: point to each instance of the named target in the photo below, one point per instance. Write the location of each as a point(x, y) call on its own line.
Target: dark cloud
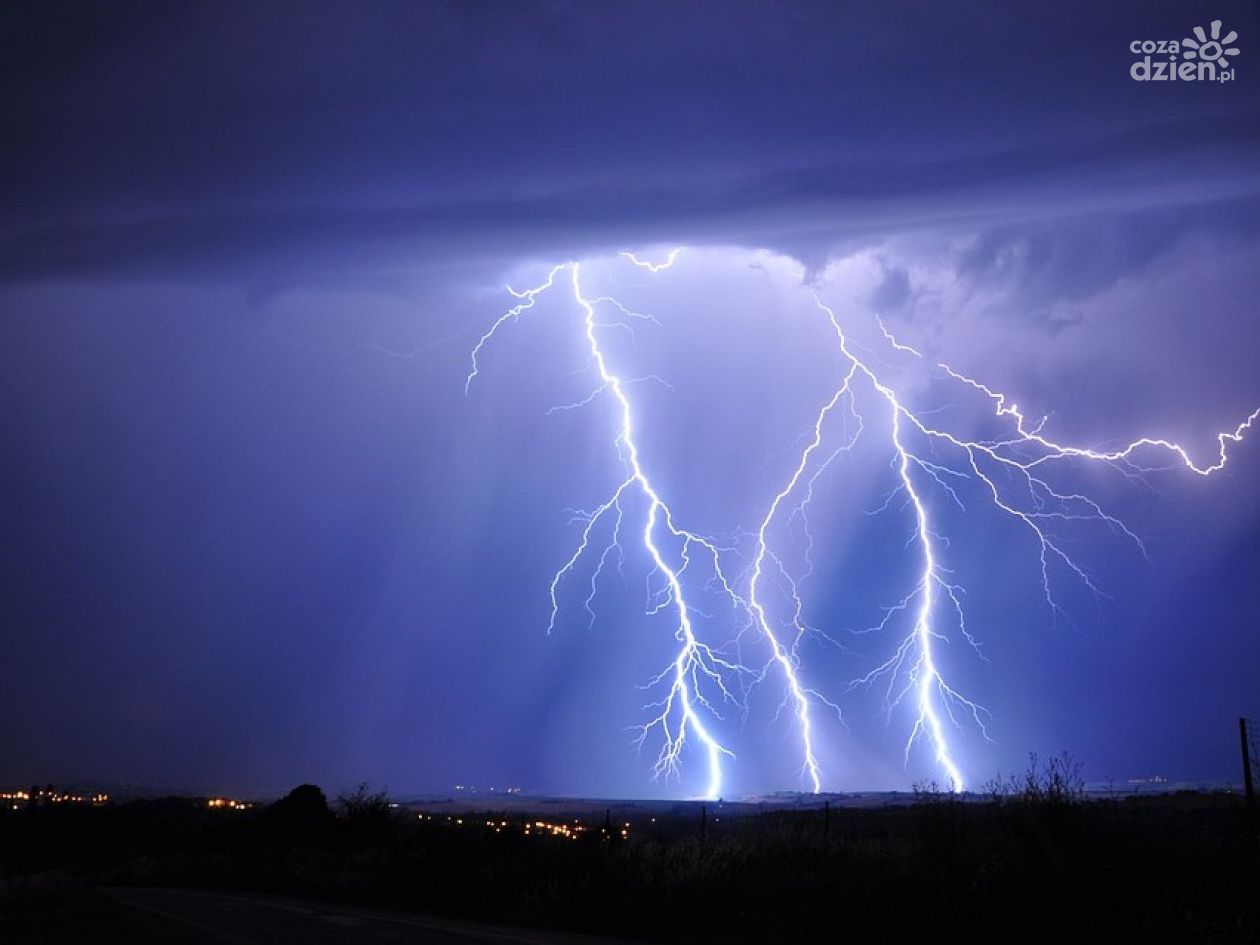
point(804, 211)
point(1078, 257)
point(200, 141)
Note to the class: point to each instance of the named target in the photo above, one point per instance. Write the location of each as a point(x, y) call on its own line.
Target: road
point(195, 917)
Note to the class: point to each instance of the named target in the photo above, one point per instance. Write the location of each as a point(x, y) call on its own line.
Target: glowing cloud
point(930, 463)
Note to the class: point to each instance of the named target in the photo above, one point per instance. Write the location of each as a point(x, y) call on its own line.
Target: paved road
point(194, 917)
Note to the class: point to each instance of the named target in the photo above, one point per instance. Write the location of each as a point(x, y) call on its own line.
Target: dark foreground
point(140, 916)
point(1177, 868)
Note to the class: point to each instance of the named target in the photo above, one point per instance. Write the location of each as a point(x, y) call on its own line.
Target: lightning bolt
point(696, 667)
point(651, 266)
point(787, 660)
point(528, 299)
point(928, 461)
point(913, 668)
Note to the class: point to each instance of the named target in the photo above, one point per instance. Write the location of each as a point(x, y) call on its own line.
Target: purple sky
point(248, 544)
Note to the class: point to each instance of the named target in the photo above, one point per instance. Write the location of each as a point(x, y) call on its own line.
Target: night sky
point(255, 533)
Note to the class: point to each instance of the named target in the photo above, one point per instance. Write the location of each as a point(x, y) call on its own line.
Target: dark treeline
point(1019, 868)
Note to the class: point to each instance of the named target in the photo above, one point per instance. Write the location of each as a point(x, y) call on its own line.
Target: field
point(1026, 867)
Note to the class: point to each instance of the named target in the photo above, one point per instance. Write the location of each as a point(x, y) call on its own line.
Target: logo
point(1205, 57)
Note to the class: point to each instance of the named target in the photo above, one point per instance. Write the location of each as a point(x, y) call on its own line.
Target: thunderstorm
point(1018, 473)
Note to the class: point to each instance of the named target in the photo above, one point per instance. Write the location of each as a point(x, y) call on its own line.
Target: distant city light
point(227, 803)
point(50, 795)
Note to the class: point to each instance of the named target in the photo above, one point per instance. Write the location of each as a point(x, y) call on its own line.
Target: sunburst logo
point(1213, 50)
point(1208, 56)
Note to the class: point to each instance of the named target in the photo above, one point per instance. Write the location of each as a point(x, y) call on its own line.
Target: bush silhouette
point(368, 816)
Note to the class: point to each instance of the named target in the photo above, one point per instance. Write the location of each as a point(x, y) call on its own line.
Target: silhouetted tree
point(302, 814)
